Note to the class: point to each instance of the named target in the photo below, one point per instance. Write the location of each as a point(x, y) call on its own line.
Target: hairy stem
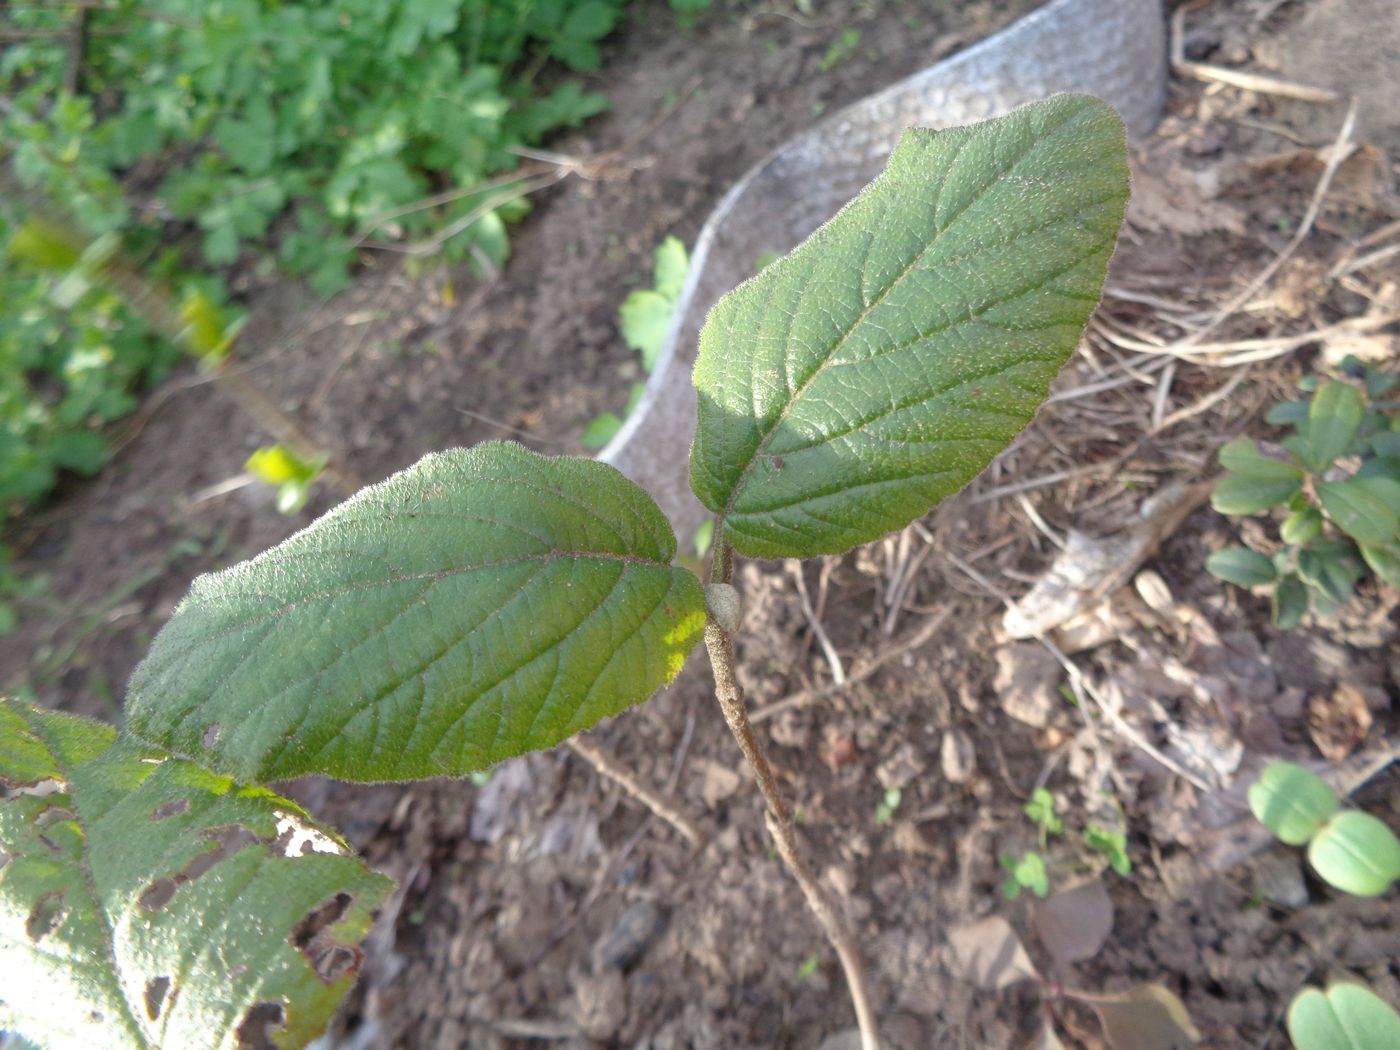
point(779, 818)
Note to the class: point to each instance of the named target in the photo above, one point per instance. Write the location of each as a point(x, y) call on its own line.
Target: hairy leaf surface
point(145, 902)
point(482, 603)
point(850, 386)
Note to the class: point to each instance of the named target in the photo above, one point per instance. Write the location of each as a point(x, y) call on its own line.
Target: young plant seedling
point(1350, 850)
point(645, 318)
point(1345, 1017)
point(1336, 478)
point(1353, 852)
point(1072, 926)
point(1032, 871)
point(491, 601)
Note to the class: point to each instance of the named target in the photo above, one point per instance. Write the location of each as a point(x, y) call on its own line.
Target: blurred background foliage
point(189, 138)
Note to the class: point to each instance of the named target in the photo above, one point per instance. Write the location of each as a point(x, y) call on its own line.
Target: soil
point(546, 903)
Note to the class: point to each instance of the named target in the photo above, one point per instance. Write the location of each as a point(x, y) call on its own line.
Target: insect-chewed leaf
point(479, 604)
point(145, 902)
point(851, 385)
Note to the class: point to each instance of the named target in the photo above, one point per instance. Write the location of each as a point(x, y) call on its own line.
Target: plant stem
point(779, 818)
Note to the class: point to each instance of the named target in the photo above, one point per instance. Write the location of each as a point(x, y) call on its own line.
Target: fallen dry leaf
point(1074, 923)
point(1144, 1017)
point(1338, 723)
point(991, 954)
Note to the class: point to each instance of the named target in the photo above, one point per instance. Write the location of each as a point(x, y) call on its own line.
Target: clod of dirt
point(600, 1004)
point(905, 765)
point(635, 931)
point(1279, 878)
point(1339, 722)
point(847, 1040)
point(718, 783)
point(958, 756)
point(1028, 679)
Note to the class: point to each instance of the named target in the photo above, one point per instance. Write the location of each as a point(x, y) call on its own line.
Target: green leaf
point(1332, 568)
point(1345, 1017)
point(850, 386)
point(672, 264)
point(1238, 494)
point(590, 20)
point(600, 430)
point(646, 318)
point(278, 464)
point(1301, 527)
point(1287, 413)
point(1249, 459)
point(1241, 566)
point(1333, 419)
point(1291, 802)
point(1362, 507)
point(1386, 444)
point(147, 902)
point(1290, 602)
point(1356, 853)
point(481, 603)
point(1384, 562)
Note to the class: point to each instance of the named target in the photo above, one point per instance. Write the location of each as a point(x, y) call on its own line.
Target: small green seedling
point(1041, 811)
point(1073, 925)
point(1336, 482)
point(885, 811)
point(1113, 844)
point(1026, 872)
point(645, 318)
point(1353, 852)
point(1345, 1017)
point(1350, 850)
point(491, 601)
point(842, 48)
point(290, 473)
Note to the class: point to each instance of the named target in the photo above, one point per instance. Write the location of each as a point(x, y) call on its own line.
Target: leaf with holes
point(851, 385)
point(480, 604)
point(146, 902)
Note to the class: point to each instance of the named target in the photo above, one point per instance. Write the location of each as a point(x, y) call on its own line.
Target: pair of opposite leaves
point(490, 601)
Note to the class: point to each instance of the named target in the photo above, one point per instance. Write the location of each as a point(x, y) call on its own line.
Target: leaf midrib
point(435, 576)
point(836, 348)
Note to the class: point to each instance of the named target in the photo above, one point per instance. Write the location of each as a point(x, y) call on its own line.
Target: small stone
point(909, 839)
point(719, 783)
point(1027, 680)
point(600, 1004)
point(1279, 878)
point(958, 756)
point(635, 931)
point(847, 1040)
point(1289, 702)
point(901, 767)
